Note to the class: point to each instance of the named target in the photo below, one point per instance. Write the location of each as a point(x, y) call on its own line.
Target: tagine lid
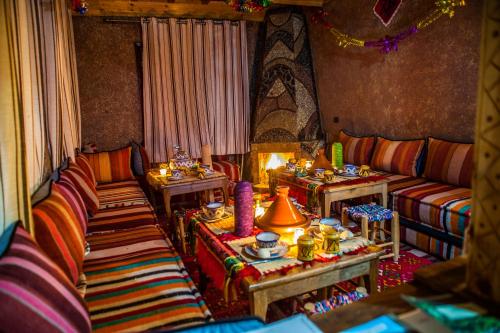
point(282, 213)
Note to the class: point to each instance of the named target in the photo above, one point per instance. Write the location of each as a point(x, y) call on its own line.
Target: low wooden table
point(188, 184)
point(346, 188)
point(299, 281)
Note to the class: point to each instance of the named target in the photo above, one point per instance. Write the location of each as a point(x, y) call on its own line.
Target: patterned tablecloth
point(307, 189)
point(219, 251)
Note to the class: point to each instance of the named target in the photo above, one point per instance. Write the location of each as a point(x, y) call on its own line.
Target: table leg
point(395, 235)
point(226, 192)
point(180, 223)
point(258, 305)
point(326, 207)
point(371, 279)
point(384, 195)
point(166, 201)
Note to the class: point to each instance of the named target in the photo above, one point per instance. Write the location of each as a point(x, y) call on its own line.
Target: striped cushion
point(449, 162)
point(111, 166)
point(35, 295)
point(84, 186)
point(429, 244)
point(84, 164)
point(441, 206)
point(398, 182)
point(59, 234)
point(397, 156)
point(120, 194)
point(232, 171)
point(71, 194)
point(136, 281)
point(357, 150)
point(122, 218)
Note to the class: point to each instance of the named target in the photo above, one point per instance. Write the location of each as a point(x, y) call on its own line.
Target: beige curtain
point(195, 86)
point(61, 97)
point(19, 108)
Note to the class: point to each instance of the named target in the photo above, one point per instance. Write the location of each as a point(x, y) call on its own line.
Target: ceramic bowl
point(267, 239)
point(327, 224)
point(350, 169)
point(213, 210)
point(176, 173)
point(319, 173)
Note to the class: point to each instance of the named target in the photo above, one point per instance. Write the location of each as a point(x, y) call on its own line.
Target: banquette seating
point(430, 186)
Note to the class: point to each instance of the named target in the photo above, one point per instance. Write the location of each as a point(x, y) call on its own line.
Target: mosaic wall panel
point(286, 107)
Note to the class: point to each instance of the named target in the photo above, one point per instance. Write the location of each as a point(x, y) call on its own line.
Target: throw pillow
point(398, 157)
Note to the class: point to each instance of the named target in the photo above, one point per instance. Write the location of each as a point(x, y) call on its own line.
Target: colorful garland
point(248, 6)
point(390, 43)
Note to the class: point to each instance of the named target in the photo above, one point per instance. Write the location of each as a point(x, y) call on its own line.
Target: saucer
point(345, 233)
point(345, 174)
point(175, 178)
point(276, 252)
point(207, 219)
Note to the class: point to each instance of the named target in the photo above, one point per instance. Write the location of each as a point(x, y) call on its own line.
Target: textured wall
point(428, 87)
point(110, 94)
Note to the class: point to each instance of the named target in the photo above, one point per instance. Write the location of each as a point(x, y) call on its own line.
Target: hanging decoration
point(390, 43)
point(385, 10)
point(80, 6)
point(248, 6)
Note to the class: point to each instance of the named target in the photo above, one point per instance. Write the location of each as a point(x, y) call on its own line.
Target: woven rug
point(390, 275)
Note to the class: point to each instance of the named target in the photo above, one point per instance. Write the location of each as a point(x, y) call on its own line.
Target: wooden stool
point(375, 215)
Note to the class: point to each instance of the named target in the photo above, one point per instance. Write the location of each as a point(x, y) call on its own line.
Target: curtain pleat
point(194, 92)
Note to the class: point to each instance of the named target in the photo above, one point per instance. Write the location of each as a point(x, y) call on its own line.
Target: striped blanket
point(136, 282)
point(119, 194)
point(121, 218)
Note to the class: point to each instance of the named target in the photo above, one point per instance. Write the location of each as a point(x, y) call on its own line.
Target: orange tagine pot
point(282, 216)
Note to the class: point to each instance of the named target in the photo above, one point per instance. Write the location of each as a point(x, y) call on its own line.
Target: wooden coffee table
point(188, 184)
point(320, 276)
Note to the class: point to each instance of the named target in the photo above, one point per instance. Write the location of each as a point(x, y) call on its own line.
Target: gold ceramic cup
point(331, 242)
point(305, 248)
point(329, 175)
point(364, 171)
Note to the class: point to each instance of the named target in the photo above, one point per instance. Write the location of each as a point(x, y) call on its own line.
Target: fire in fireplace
point(268, 161)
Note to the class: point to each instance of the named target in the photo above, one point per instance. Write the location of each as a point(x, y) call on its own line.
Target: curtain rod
point(107, 19)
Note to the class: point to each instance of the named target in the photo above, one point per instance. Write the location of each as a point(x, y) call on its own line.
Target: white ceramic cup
point(264, 253)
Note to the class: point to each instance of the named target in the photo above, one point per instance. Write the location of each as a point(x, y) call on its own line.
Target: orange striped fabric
point(449, 162)
point(70, 193)
point(84, 164)
point(111, 166)
point(75, 175)
point(397, 156)
point(59, 233)
point(356, 150)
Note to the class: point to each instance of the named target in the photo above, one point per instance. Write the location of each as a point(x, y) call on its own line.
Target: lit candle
point(259, 211)
point(309, 164)
point(297, 233)
point(163, 172)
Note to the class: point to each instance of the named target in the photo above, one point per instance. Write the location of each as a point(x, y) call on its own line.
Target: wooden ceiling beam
point(181, 8)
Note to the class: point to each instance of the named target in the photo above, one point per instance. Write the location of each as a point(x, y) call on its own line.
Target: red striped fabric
point(35, 295)
point(397, 156)
point(59, 233)
point(120, 194)
point(70, 193)
point(122, 218)
point(84, 164)
point(356, 150)
point(449, 162)
point(111, 166)
point(84, 186)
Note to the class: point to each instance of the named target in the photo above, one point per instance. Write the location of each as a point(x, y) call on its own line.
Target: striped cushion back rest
point(59, 234)
point(68, 190)
point(111, 166)
point(84, 164)
point(35, 295)
point(74, 175)
point(449, 162)
point(397, 156)
point(356, 150)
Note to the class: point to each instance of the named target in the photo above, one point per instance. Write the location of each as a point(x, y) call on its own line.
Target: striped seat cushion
point(398, 182)
point(74, 175)
point(35, 295)
point(122, 218)
point(397, 156)
point(84, 164)
point(356, 150)
point(120, 194)
point(111, 166)
point(443, 207)
point(449, 162)
point(429, 244)
point(136, 282)
point(58, 232)
point(69, 191)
